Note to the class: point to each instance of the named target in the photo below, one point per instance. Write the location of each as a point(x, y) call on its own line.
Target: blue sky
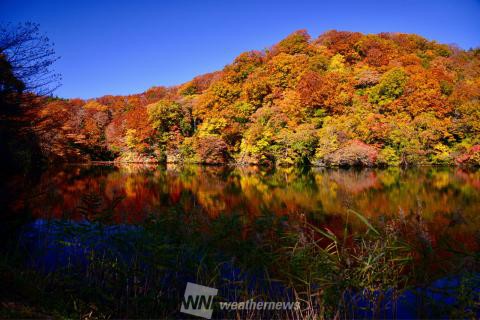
point(123, 47)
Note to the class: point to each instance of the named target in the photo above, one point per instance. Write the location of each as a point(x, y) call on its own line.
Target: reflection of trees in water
point(441, 195)
point(471, 179)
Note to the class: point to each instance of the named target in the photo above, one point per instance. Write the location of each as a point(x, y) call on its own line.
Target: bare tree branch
point(31, 56)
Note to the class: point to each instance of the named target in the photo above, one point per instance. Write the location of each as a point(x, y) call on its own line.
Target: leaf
point(365, 221)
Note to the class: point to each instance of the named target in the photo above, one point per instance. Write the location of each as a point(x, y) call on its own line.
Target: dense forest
point(113, 241)
point(343, 99)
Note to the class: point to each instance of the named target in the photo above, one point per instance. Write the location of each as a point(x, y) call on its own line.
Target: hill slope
point(344, 98)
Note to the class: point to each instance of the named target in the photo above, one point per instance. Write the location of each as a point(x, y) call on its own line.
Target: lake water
point(230, 208)
point(444, 199)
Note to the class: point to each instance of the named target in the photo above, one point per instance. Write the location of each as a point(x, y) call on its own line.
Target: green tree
point(391, 87)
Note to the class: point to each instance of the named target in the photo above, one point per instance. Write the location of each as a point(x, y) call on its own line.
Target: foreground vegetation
point(344, 98)
point(97, 270)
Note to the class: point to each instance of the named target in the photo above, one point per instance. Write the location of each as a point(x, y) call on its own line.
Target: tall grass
point(108, 271)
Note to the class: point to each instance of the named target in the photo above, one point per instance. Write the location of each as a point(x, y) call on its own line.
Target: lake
point(257, 232)
point(443, 198)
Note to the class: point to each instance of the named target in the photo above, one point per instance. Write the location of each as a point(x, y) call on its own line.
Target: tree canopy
point(344, 98)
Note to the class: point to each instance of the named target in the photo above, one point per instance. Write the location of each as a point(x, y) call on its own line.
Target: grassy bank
point(97, 270)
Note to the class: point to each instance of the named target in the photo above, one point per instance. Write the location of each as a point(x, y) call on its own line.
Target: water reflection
point(442, 198)
point(194, 219)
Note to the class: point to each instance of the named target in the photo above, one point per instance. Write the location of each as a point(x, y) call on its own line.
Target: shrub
point(388, 157)
point(471, 158)
point(441, 154)
point(354, 153)
point(211, 150)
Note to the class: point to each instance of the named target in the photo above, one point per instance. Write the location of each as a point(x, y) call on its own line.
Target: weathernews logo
point(198, 301)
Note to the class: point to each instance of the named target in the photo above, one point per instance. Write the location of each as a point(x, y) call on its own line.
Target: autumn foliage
point(344, 98)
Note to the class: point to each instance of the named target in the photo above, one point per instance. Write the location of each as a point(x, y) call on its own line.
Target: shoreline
point(237, 165)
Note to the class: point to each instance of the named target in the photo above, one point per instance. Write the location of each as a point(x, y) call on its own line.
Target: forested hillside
point(344, 98)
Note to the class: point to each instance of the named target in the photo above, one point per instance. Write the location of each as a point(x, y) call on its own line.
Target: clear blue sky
point(122, 47)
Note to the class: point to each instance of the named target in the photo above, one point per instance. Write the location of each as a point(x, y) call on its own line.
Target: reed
point(106, 271)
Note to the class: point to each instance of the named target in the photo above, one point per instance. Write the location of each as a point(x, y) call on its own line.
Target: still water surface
point(232, 213)
point(442, 199)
